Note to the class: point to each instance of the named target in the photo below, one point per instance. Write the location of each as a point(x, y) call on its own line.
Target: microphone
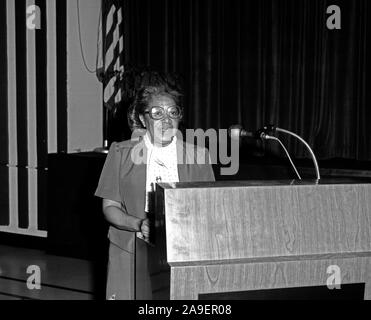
point(236, 132)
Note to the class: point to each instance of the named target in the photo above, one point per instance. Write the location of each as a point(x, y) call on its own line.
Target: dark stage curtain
point(261, 62)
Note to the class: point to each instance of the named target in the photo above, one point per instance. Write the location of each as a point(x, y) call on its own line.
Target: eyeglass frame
point(166, 112)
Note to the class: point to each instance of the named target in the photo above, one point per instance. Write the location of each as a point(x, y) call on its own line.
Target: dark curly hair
point(149, 84)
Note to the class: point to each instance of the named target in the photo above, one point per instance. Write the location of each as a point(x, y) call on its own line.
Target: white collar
point(151, 147)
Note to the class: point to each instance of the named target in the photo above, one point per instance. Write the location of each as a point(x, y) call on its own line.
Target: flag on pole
point(110, 58)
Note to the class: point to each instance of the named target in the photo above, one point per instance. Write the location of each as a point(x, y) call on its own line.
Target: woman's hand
point(117, 216)
point(144, 229)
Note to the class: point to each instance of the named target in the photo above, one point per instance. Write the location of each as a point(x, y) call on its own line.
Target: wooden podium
point(234, 240)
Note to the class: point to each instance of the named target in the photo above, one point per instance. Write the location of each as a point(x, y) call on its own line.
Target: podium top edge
point(264, 183)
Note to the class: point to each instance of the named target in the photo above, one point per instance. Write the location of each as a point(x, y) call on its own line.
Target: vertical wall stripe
point(52, 75)
point(42, 87)
point(4, 190)
point(12, 116)
point(62, 133)
point(21, 81)
point(30, 72)
point(23, 220)
point(12, 95)
point(22, 125)
point(42, 199)
point(3, 88)
point(31, 117)
point(13, 197)
point(32, 196)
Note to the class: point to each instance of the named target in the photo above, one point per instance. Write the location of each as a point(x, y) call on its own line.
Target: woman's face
point(161, 131)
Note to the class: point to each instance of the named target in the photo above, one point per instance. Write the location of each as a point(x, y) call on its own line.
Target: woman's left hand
point(144, 228)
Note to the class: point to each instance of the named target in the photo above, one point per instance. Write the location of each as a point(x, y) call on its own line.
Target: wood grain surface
point(189, 282)
point(220, 222)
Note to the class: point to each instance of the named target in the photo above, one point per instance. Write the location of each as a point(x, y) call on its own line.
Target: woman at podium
point(154, 154)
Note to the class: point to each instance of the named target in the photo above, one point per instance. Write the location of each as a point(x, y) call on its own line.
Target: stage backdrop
point(264, 61)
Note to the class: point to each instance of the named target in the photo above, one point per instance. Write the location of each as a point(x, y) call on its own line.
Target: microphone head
point(235, 131)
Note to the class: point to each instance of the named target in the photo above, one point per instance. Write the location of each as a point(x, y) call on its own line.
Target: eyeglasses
point(158, 113)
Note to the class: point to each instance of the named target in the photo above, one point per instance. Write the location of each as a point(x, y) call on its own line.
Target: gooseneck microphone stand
point(268, 137)
point(265, 135)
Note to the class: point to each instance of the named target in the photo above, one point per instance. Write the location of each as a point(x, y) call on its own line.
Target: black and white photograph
point(185, 153)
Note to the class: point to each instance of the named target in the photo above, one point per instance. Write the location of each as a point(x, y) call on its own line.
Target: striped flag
point(110, 64)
